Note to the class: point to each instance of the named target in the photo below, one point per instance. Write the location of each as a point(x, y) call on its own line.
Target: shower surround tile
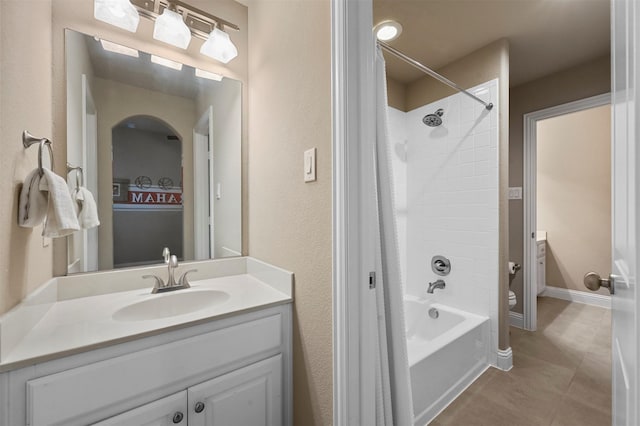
point(450, 188)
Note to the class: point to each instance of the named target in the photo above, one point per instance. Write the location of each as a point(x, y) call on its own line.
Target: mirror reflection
point(159, 145)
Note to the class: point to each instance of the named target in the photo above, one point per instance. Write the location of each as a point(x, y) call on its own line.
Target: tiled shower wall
point(452, 200)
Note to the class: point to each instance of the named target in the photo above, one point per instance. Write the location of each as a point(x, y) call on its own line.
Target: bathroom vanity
point(218, 353)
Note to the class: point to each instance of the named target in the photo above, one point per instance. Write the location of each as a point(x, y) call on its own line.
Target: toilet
point(513, 269)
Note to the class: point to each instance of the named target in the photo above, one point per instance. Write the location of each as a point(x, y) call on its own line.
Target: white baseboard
point(505, 359)
point(516, 319)
point(593, 299)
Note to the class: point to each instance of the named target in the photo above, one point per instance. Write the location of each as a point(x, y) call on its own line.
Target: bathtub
point(446, 354)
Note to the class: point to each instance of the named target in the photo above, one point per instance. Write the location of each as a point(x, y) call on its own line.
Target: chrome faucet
point(437, 284)
point(171, 284)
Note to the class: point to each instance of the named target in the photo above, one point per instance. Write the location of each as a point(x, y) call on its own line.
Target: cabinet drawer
point(542, 248)
point(90, 393)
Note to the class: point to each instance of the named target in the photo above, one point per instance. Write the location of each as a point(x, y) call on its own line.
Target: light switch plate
point(310, 165)
point(515, 193)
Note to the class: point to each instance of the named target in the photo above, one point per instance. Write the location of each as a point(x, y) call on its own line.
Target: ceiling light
point(166, 62)
point(219, 46)
point(120, 13)
point(387, 30)
point(170, 28)
point(208, 75)
point(118, 48)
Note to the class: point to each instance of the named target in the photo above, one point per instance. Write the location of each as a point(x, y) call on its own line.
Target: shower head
point(433, 120)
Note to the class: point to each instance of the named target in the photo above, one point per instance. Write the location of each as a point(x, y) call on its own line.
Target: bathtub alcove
point(446, 203)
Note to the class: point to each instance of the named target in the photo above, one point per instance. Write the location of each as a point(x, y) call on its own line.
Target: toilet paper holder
point(514, 268)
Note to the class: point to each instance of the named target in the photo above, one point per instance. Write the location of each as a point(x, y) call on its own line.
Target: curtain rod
point(431, 72)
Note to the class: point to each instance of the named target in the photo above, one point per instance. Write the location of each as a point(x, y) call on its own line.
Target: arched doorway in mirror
point(147, 191)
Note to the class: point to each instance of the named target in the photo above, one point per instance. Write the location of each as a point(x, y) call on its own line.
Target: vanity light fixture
point(120, 13)
point(208, 75)
point(118, 48)
point(166, 62)
point(387, 30)
point(175, 23)
point(170, 28)
point(219, 46)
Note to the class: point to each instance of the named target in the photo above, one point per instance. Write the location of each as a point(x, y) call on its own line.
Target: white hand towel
point(61, 215)
point(33, 203)
point(87, 209)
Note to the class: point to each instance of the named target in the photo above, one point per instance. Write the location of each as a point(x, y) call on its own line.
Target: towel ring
point(28, 139)
point(79, 174)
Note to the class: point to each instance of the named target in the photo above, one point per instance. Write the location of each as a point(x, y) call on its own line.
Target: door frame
point(353, 251)
point(530, 308)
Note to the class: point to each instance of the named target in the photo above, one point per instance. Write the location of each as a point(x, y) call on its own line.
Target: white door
point(625, 159)
point(249, 396)
point(171, 410)
point(203, 186)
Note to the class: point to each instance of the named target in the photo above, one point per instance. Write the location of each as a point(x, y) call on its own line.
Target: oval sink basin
point(170, 305)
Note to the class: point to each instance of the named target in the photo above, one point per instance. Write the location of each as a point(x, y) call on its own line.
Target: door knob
point(593, 282)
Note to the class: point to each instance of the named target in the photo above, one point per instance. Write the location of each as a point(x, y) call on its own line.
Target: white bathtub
point(446, 354)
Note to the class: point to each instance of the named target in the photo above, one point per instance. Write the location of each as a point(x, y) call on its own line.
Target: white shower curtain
point(393, 391)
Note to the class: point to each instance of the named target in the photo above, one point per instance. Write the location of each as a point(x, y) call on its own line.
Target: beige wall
point(290, 221)
point(574, 194)
point(115, 102)
point(25, 104)
point(589, 79)
point(396, 94)
point(487, 63)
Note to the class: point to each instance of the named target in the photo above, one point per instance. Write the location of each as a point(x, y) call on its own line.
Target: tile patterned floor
point(561, 374)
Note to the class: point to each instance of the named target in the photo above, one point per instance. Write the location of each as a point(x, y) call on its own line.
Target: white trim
point(587, 298)
point(505, 359)
point(529, 196)
point(516, 319)
point(353, 133)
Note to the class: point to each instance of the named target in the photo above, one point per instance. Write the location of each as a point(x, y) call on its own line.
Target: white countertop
point(71, 325)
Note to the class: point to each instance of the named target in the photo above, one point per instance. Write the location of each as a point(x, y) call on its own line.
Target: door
point(625, 159)
point(203, 186)
point(250, 396)
point(168, 411)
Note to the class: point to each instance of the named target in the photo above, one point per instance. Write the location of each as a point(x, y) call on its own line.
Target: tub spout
point(437, 284)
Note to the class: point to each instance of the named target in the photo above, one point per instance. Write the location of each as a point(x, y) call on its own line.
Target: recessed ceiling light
point(387, 30)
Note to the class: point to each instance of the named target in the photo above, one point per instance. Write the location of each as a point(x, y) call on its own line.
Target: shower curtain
point(393, 390)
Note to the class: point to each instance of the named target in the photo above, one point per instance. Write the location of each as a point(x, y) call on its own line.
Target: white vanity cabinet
point(238, 368)
point(163, 412)
point(249, 396)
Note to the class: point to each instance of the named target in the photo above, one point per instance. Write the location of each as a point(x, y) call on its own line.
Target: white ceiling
point(545, 36)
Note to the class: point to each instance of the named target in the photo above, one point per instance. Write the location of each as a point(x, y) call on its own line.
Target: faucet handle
point(166, 254)
point(159, 282)
point(183, 281)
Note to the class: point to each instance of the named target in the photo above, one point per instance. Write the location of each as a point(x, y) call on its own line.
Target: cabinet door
point(250, 396)
point(541, 274)
point(168, 411)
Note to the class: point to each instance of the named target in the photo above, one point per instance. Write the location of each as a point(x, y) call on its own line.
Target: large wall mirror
point(159, 147)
